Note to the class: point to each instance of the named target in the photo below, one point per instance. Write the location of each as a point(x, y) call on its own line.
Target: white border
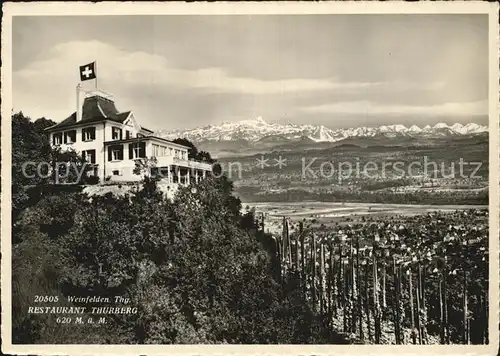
point(151, 8)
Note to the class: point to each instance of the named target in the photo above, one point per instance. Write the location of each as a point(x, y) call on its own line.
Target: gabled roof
point(95, 109)
point(120, 117)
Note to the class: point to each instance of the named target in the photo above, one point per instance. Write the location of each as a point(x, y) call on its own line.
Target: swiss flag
point(87, 71)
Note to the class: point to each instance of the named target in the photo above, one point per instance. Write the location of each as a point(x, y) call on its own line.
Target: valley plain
point(326, 214)
point(445, 171)
point(270, 162)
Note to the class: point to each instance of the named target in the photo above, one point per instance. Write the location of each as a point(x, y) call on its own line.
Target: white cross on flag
point(87, 72)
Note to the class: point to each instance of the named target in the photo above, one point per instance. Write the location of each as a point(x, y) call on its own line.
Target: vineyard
point(408, 280)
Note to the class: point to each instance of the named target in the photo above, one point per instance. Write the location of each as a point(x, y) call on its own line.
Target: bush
point(92, 180)
point(194, 280)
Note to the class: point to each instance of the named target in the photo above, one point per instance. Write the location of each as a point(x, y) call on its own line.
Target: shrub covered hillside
point(193, 279)
point(31, 157)
point(196, 269)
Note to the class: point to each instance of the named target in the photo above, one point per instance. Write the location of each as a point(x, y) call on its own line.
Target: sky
point(180, 72)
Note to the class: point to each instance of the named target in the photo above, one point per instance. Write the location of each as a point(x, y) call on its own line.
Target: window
point(159, 151)
point(116, 172)
point(88, 134)
point(116, 133)
point(171, 150)
point(92, 172)
point(70, 136)
point(115, 153)
point(137, 150)
point(57, 138)
point(89, 156)
point(156, 150)
point(128, 134)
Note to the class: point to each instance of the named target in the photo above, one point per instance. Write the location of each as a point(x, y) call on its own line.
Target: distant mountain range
point(258, 130)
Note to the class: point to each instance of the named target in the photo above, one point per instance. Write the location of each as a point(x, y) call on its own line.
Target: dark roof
point(148, 130)
point(95, 109)
point(96, 106)
point(120, 117)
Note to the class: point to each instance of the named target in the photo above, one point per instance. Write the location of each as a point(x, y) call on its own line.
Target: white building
point(111, 141)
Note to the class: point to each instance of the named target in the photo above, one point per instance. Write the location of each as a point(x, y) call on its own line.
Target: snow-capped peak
point(473, 128)
point(322, 134)
point(399, 128)
point(256, 129)
point(393, 128)
point(471, 125)
point(259, 121)
point(440, 126)
point(415, 128)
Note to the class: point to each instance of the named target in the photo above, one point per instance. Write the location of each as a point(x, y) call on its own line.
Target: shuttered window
point(115, 153)
point(88, 133)
point(57, 138)
point(116, 133)
point(70, 136)
point(137, 150)
point(89, 156)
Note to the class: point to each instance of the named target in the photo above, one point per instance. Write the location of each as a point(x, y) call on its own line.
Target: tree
point(36, 165)
point(29, 145)
point(201, 156)
point(212, 283)
point(193, 280)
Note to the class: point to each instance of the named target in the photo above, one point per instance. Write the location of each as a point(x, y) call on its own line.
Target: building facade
point(112, 141)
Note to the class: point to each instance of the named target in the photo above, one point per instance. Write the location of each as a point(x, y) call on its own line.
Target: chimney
point(79, 104)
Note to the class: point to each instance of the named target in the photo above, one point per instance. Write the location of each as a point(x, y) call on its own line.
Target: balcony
point(169, 161)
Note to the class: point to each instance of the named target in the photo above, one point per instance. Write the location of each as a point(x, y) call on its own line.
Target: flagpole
point(78, 108)
point(95, 69)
